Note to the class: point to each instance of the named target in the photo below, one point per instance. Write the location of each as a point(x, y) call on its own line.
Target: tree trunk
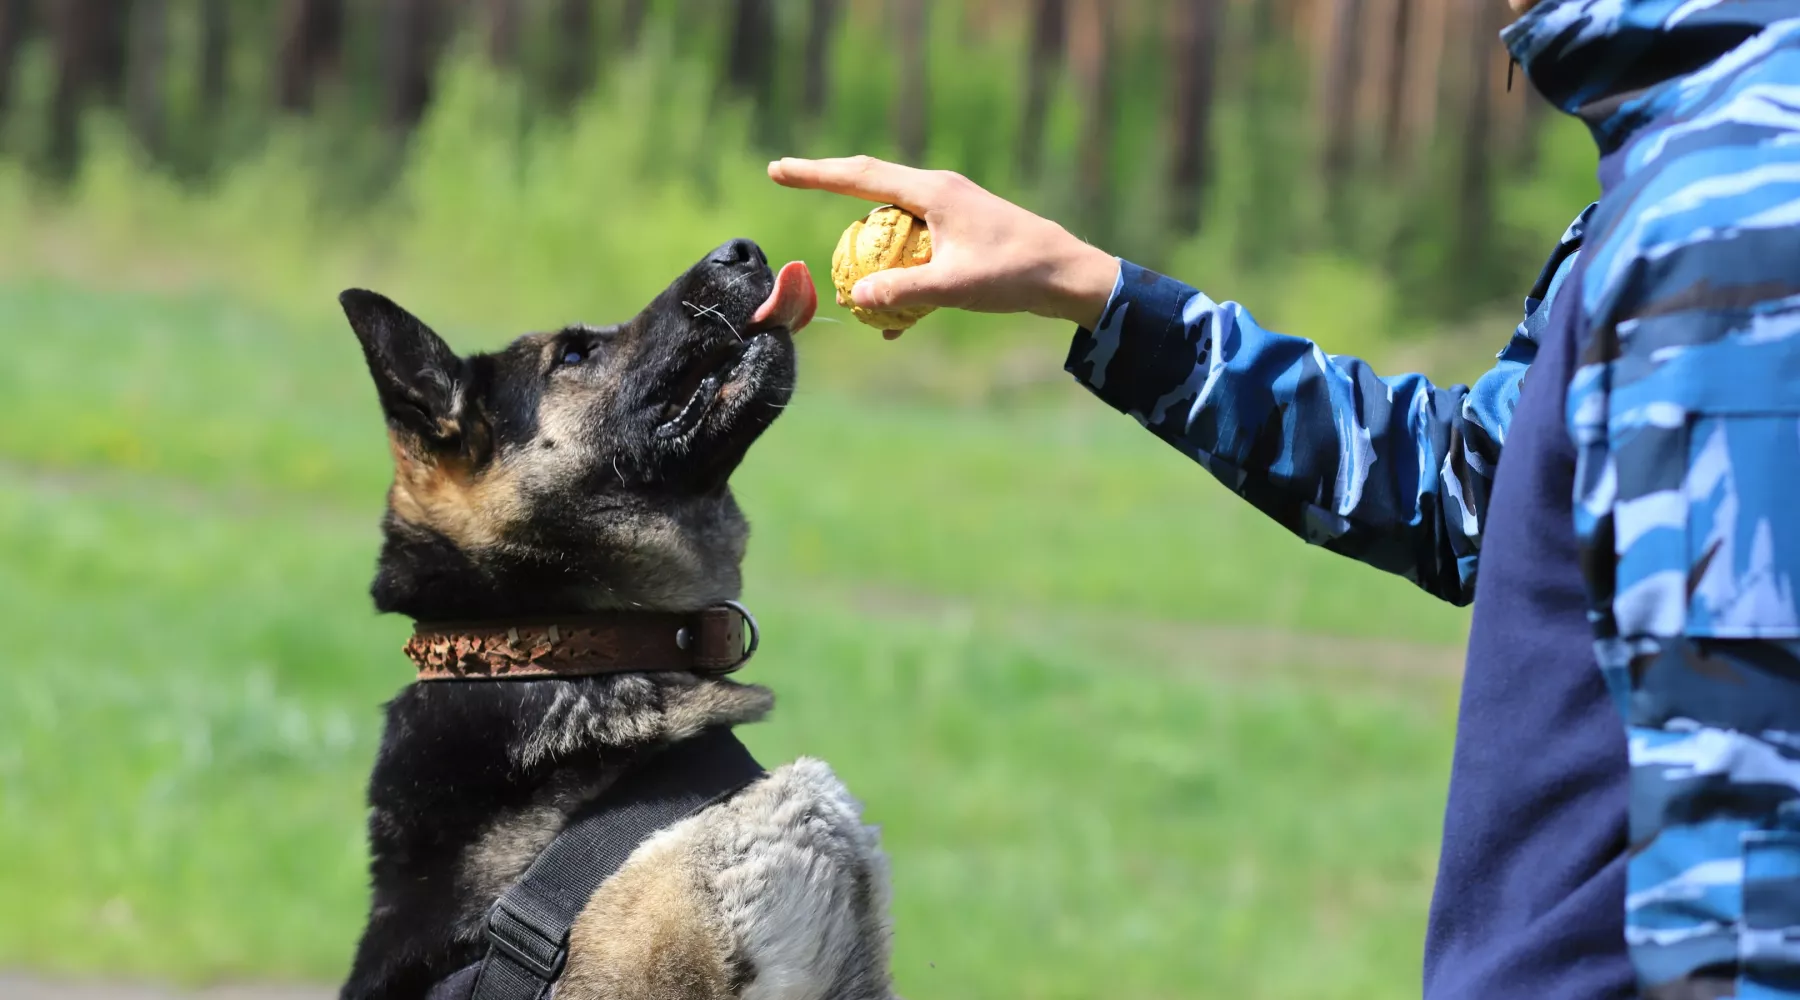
point(215, 50)
point(148, 70)
point(1526, 128)
point(502, 24)
point(1474, 204)
point(110, 28)
point(816, 86)
point(1337, 101)
point(692, 12)
point(1048, 24)
point(631, 24)
point(1393, 98)
point(912, 98)
point(15, 24)
point(1432, 31)
point(1091, 52)
point(1263, 215)
point(312, 38)
point(408, 46)
point(575, 56)
point(980, 17)
point(750, 64)
point(1194, 31)
point(74, 26)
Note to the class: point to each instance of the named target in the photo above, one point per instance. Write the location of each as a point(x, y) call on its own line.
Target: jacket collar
point(1607, 61)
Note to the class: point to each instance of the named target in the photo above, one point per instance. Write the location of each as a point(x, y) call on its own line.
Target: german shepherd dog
point(576, 472)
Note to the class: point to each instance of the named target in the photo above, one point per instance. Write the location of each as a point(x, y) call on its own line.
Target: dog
point(572, 473)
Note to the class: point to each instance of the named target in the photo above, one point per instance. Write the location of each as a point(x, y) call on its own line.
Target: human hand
point(988, 255)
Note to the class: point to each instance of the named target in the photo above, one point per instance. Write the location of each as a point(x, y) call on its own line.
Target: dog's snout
point(738, 254)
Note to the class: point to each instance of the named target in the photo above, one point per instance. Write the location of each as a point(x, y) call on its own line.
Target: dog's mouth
point(695, 393)
point(791, 305)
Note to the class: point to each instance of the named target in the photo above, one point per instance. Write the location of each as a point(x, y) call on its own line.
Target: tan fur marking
point(507, 848)
point(652, 932)
point(471, 508)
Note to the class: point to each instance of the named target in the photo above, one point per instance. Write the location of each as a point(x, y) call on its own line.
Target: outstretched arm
point(1394, 472)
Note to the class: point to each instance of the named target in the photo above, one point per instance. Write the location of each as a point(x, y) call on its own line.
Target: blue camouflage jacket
point(1685, 415)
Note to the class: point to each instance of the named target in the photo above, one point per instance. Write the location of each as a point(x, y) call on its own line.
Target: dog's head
point(585, 468)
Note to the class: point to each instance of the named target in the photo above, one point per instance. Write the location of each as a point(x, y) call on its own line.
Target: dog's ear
point(419, 379)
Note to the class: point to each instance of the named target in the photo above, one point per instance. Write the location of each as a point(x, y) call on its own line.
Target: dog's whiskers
point(700, 311)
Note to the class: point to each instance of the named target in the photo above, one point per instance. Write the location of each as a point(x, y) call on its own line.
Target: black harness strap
point(528, 929)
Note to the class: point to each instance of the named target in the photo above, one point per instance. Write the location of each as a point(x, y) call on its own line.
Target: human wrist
point(1083, 283)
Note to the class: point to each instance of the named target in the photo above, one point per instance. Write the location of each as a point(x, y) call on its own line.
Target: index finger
point(858, 177)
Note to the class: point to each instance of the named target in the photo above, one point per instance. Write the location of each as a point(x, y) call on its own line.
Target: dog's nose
point(738, 254)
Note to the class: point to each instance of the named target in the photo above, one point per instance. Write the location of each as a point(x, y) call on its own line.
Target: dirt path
point(28, 988)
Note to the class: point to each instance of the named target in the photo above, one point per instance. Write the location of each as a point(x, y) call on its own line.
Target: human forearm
point(1394, 473)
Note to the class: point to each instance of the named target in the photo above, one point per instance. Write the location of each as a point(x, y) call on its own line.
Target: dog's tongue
point(792, 303)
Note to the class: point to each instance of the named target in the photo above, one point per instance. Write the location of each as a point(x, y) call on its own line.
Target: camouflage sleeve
point(1685, 410)
point(1395, 472)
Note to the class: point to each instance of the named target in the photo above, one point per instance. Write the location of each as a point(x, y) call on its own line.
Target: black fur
point(531, 486)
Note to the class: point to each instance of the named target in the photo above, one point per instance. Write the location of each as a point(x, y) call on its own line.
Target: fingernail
point(864, 293)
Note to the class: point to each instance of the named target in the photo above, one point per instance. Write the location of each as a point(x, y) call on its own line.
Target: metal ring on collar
point(749, 626)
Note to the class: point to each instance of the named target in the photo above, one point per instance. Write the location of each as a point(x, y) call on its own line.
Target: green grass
point(1000, 626)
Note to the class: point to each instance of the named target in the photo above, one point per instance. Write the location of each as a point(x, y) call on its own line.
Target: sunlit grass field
point(1048, 652)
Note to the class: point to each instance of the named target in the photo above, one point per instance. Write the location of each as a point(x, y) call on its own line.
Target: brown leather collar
point(702, 642)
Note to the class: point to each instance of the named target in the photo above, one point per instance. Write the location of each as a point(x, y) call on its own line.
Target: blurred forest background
point(1122, 734)
point(1374, 151)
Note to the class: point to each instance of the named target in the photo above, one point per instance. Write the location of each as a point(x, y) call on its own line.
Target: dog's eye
point(579, 345)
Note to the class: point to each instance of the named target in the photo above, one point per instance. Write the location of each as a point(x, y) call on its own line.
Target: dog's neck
point(671, 556)
point(473, 778)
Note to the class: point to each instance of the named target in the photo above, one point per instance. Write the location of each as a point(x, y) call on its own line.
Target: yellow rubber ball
point(887, 238)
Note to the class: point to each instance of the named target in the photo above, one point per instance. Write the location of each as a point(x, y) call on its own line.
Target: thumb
point(902, 287)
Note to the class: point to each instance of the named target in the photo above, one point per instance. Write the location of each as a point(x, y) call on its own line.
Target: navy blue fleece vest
point(1531, 885)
